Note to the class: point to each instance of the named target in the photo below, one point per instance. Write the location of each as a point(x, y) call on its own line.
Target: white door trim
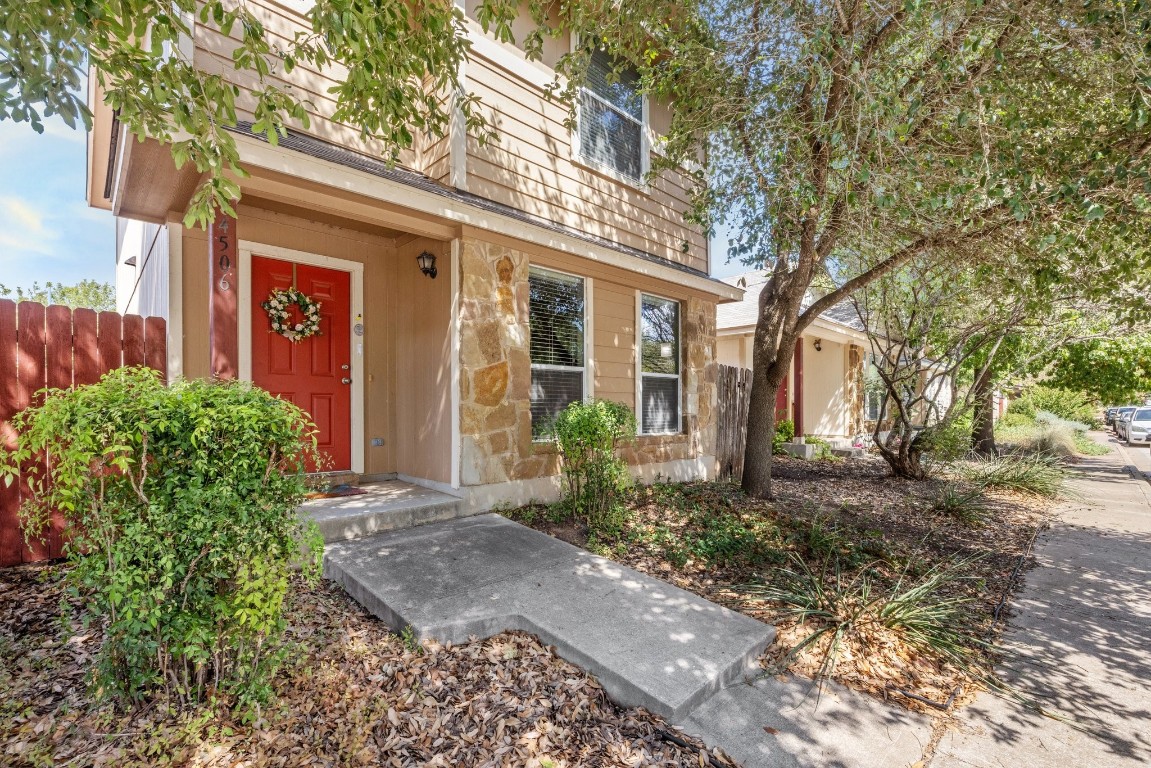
point(356, 270)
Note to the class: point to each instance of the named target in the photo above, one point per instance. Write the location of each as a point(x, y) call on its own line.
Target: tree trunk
point(761, 430)
point(983, 417)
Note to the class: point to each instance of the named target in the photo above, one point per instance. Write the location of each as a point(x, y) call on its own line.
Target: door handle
point(345, 380)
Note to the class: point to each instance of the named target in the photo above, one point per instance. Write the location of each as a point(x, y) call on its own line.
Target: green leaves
point(180, 502)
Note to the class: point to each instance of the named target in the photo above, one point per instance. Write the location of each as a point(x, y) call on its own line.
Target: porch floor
point(383, 506)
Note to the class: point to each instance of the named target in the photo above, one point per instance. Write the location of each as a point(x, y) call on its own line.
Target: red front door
point(314, 373)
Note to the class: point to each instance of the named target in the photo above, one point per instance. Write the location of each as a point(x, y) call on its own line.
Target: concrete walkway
point(1080, 638)
point(649, 643)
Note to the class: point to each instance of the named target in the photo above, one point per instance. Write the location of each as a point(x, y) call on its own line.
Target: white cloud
point(23, 229)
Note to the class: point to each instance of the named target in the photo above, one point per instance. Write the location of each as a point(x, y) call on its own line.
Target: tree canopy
point(89, 294)
point(402, 59)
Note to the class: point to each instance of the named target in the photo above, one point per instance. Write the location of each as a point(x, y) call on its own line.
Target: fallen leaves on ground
point(351, 693)
point(849, 511)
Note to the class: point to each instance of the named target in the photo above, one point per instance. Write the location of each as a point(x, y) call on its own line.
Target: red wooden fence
point(59, 347)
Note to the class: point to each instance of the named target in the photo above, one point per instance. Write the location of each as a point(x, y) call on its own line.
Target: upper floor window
point(611, 119)
point(556, 316)
point(659, 383)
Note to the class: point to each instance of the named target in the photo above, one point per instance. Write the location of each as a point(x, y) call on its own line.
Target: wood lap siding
point(213, 54)
point(531, 167)
point(60, 348)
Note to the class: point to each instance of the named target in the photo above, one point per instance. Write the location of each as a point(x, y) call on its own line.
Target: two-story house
point(464, 297)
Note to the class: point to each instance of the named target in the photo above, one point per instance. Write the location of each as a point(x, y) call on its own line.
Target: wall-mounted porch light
point(819, 345)
point(427, 262)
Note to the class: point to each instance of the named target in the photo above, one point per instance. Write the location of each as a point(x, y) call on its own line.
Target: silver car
point(1120, 416)
point(1137, 428)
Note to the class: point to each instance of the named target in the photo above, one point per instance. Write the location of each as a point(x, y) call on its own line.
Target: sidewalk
point(1080, 637)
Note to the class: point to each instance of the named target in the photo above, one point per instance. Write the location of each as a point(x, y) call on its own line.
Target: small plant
point(588, 436)
point(784, 433)
point(964, 505)
point(181, 506)
point(1034, 473)
point(822, 448)
point(842, 610)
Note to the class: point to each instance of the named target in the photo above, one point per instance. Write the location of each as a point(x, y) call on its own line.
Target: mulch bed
point(862, 518)
point(351, 693)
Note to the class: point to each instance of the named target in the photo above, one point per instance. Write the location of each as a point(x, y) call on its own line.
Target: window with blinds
point(660, 396)
point(556, 318)
point(611, 130)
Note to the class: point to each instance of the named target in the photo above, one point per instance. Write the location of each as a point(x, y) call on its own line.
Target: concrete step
point(386, 506)
point(650, 644)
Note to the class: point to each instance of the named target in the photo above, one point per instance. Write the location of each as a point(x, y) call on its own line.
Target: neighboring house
point(141, 268)
point(551, 271)
point(826, 393)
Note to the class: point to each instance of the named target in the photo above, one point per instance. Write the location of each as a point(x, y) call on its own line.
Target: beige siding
point(213, 54)
point(824, 388)
point(421, 328)
point(531, 166)
point(613, 323)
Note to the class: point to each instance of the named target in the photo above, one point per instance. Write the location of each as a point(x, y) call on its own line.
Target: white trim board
point(357, 373)
point(257, 153)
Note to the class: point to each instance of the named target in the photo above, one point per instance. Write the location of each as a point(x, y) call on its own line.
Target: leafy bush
point(843, 610)
point(949, 440)
point(1064, 403)
point(588, 436)
point(180, 502)
point(784, 433)
point(1013, 419)
point(1039, 474)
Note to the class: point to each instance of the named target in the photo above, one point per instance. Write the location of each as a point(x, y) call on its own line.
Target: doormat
point(336, 491)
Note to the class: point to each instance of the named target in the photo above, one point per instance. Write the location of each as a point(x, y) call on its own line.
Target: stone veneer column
point(854, 391)
point(495, 367)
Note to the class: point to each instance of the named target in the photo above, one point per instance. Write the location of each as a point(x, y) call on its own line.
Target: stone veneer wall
point(495, 376)
point(854, 391)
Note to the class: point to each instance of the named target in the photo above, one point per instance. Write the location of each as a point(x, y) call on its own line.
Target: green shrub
point(1039, 474)
point(949, 440)
point(1013, 419)
point(1064, 403)
point(822, 448)
point(784, 433)
point(180, 502)
point(588, 436)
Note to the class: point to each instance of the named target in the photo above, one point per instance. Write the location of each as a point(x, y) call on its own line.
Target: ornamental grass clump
point(1037, 474)
point(837, 611)
point(179, 503)
point(588, 436)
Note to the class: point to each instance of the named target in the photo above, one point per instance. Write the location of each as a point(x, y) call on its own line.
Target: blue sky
point(47, 230)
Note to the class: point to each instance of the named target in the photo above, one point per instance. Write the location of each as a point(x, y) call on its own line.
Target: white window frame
point(646, 142)
point(639, 372)
point(588, 367)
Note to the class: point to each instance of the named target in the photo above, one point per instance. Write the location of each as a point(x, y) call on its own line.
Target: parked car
point(1121, 418)
point(1138, 427)
point(1109, 416)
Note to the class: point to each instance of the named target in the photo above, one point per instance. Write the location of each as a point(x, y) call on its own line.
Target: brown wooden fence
point(58, 347)
point(731, 434)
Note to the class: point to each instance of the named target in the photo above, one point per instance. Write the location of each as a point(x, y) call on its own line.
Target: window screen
point(660, 366)
point(556, 320)
point(611, 118)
